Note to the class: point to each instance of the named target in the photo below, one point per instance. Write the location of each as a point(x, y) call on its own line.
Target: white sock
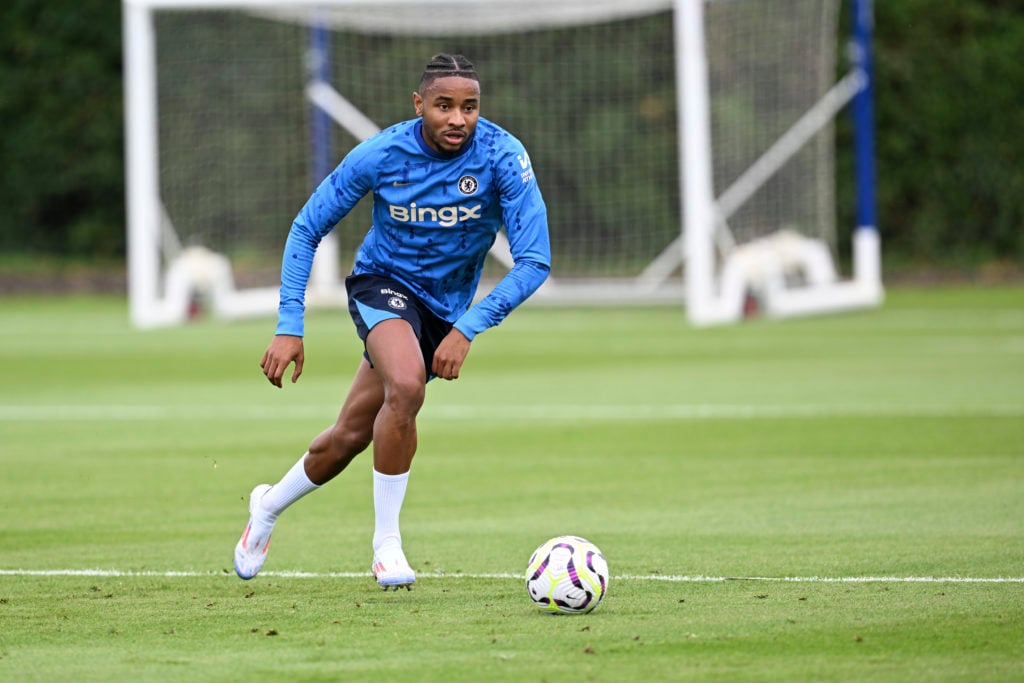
point(294, 485)
point(388, 495)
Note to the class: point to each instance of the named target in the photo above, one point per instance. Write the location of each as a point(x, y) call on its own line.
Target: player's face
point(450, 108)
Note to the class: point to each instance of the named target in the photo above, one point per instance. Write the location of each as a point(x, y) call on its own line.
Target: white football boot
point(251, 551)
point(392, 570)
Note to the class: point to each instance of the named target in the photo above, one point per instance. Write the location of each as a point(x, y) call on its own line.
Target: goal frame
point(715, 287)
point(713, 299)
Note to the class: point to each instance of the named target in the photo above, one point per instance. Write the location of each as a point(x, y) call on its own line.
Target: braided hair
point(444, 65)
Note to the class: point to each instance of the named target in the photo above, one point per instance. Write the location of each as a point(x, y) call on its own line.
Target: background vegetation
point(949, 78)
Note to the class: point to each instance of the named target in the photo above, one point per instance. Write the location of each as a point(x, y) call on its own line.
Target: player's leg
point(395, 351)
point(328, 455)
point(334, 448)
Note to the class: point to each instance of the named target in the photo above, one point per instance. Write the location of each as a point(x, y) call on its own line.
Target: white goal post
point(685, 147)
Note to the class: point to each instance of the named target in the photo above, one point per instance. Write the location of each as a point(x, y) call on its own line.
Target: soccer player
point(443, 183)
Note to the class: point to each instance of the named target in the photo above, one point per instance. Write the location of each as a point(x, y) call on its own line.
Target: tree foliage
point(62, 171)
point(951, 127)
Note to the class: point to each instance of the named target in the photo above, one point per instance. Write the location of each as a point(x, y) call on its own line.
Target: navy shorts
point(375, 298)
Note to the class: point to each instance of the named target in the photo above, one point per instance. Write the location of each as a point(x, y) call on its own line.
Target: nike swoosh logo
point(398, 184)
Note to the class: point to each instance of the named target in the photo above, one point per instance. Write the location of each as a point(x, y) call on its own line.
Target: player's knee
point(405, 394)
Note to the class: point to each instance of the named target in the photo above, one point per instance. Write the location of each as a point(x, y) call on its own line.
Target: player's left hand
point(450, 354)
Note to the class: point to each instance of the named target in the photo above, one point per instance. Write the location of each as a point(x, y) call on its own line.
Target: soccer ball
point(568, 575)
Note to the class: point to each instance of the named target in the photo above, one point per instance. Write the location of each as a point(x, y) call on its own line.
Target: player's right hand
point(283, 350)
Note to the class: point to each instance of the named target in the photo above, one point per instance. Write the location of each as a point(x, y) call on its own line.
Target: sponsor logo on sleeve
point(527, 166)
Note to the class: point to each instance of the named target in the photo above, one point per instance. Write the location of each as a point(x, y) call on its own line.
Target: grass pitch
point(837, 498)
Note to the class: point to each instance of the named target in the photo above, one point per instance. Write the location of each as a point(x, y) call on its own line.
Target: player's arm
point(526, 223)
point(331, 202)
point(514, 288)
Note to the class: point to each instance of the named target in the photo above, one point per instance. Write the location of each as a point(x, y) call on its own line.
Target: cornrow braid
point(444, 65)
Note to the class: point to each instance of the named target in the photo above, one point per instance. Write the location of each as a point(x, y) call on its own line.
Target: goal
point(685, 148)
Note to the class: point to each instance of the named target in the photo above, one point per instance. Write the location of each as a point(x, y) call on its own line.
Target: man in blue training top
point(443, 184)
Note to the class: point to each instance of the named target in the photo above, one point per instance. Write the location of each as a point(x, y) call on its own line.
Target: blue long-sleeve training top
point(434, 219)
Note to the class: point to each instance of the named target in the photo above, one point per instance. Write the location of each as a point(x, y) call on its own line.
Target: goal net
point(642, 119)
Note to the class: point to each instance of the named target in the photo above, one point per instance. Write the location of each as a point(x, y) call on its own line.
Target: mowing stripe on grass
point(550, 413)
point(123, 573)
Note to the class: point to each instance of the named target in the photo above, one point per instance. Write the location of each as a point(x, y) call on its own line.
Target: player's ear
point(417, 102)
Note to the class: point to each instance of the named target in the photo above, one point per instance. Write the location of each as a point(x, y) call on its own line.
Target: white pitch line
point(121, 573)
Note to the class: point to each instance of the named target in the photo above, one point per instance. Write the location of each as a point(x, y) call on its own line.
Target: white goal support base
point(786, 275)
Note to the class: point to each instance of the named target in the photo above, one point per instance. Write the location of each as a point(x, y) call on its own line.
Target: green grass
point(764, 494)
